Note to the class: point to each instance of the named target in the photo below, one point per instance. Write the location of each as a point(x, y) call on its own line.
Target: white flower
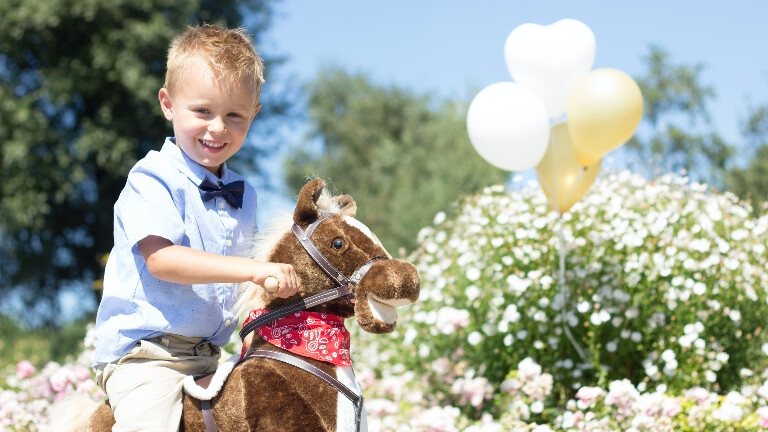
point(600, 317)
point(472, 292)
point(517, 284)
point(474, 338)
point(734, 315)
point(450, 319)
point(528, 369)
point(537, 407)
point(473, 274)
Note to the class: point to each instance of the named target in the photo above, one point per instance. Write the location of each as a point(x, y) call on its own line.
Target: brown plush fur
point(268, 395)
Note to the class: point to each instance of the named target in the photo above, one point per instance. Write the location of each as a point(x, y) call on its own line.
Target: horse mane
point(260, 246)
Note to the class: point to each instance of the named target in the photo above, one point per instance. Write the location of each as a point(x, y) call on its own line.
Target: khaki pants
point(145, 386)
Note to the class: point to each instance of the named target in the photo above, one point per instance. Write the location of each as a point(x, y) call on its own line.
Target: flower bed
point(652, 321)
point(28, 393)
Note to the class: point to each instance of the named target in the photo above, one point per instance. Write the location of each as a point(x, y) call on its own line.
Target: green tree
point(402, 157)
point(677, 133)
point(78, 107)
point(751, 181)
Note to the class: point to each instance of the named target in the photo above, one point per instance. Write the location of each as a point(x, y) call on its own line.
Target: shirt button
point(227, 323)
point(221, 204)
point(229, 285)
point(229, 242)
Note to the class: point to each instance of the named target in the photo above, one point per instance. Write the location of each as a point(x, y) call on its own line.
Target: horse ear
point(346, 204)
point(306, 210)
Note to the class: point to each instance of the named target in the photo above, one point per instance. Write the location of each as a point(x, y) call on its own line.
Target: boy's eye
point(201, 110)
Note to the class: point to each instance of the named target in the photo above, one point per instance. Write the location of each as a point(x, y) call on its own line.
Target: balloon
point(550, 60)
point(562, 178)
point(603, 111)
point(508, 126)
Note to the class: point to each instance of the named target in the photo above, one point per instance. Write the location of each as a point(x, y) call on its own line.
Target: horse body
point(268, 395)
point(264, 394)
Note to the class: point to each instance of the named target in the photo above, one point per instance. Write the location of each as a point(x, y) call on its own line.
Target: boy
point(169, 291)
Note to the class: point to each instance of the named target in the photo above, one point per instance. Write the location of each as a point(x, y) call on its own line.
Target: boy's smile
point(210, 120)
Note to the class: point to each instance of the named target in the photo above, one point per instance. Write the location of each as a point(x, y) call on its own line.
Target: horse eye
point(337, 244)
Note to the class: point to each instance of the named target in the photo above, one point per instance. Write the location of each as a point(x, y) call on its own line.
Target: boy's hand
point(280, 281)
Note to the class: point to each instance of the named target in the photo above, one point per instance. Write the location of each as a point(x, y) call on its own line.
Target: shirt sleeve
point(149, 206)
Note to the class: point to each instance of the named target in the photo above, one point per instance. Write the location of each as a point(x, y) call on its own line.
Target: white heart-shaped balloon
point(508, 126)
point(550, 59)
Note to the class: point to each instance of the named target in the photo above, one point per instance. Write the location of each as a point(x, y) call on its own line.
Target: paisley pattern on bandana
point(319, 336)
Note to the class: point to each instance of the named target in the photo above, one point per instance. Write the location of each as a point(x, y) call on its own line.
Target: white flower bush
point(641, 309)
point(661, 290)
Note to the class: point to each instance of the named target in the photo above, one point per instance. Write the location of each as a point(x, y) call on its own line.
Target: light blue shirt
point(161, 198)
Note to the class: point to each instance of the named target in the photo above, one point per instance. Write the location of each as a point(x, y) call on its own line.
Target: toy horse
point(295, 374)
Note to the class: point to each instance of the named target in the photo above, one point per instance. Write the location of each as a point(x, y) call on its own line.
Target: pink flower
point(763, 390)
point(366, 378)
point(699, 394)
point(588, 395)
point(762, 417)
point(25, 369)
point(380, 407)
point(527, 369)
point(60, 380)
point(472, 390)
point(81, 372)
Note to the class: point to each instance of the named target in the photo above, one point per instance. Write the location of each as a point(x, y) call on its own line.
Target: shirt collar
point(193, 170)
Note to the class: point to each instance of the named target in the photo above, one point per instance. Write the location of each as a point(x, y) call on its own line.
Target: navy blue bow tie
point(232, 192)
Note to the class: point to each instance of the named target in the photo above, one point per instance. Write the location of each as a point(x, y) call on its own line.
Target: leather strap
point(357, 400)
point(210, 423)
point(317, 256)
point(294, 307)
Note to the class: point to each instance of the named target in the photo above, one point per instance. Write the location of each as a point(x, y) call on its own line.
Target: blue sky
point(453, 49)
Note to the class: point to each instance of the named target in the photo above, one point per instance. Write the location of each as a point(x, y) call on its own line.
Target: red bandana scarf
point(309, 334)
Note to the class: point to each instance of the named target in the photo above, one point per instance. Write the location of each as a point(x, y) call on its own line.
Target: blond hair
point(228, 52)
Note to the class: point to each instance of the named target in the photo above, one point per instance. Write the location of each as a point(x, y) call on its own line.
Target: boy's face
point(210, 122)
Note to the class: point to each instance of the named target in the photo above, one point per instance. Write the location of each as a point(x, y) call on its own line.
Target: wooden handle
point(271, 284)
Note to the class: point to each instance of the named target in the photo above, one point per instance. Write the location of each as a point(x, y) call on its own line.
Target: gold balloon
point(562, 178)
point(603, 111)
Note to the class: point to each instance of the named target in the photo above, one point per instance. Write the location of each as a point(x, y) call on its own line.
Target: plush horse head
point(348, 245)
point(344, 271)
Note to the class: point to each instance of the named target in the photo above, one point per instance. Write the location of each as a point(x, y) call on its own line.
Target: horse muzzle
point(387, 285)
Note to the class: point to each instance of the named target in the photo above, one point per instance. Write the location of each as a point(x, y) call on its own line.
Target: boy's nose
point(217, 125)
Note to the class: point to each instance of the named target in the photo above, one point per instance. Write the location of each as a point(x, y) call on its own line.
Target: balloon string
point(565, 292)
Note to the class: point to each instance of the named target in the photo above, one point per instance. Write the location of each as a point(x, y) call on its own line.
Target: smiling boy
point(168, 302)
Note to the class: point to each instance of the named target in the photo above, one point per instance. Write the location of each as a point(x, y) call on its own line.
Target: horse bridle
point(343, 283)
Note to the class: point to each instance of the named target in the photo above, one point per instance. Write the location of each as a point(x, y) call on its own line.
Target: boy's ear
point(166, 104)
point(255, 111)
